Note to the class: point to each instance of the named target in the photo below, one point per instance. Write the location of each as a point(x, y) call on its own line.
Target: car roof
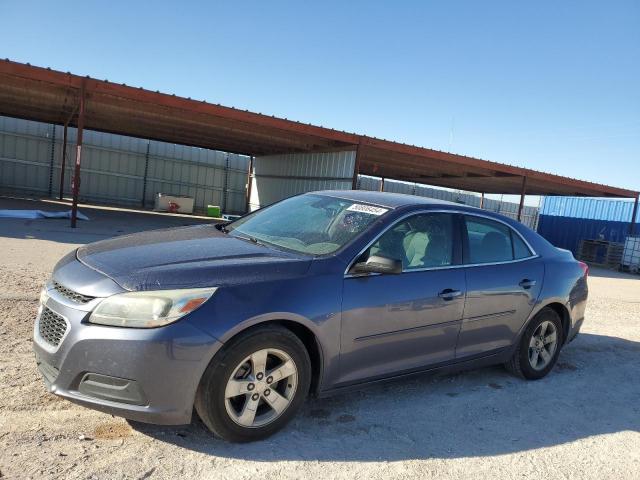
point(387, 199)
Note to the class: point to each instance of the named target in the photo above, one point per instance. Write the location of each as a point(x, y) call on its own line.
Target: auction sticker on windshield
point(371, 210)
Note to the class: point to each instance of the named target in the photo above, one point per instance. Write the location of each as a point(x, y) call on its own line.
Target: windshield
point(312, 224)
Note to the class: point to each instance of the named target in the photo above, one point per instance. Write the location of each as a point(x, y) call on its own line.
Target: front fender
point(313, 303)
point(270, 317)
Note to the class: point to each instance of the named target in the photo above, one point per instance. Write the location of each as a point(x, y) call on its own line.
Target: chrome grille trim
point(52, 327)
point(70, 294)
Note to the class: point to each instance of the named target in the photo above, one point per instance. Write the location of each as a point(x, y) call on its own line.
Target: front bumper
point(148, 375)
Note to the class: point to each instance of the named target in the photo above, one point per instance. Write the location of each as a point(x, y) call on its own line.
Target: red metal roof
point(51, 96)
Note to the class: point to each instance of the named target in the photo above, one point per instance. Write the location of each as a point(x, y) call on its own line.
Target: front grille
point(51, 327)
point(70, 294)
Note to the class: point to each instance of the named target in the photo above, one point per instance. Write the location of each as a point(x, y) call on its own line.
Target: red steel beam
point(64, 158)
point(156, 98)
point(632, 225)
point(64, 150)
point(76, 175)
point(356, 168)
point(249, 181)
point(595, 189)
point(522, 194)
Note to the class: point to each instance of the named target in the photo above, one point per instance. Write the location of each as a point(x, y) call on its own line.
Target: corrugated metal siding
point(279, 176)
point(592, 208)
point(395, 186)
point(529, 214)
point(113, 167)
point(210, 177)
point(509, 209)
point(566, 232)
point(25, 155)
point(368, 183)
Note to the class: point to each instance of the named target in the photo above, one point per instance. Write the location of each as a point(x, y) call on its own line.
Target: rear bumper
point(148, 375)
point(575, 329)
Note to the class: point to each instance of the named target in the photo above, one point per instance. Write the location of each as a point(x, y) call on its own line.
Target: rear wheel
point(255, 385)
point(539, 346)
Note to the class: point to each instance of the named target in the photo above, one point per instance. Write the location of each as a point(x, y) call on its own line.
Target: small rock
point(566, 366)
point(346, 418)
point(85, 437)
point(319, 413)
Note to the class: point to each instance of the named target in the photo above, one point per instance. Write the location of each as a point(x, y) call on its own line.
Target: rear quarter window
point(520, 249)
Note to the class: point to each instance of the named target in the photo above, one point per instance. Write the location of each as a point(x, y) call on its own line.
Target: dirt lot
point(582, 421)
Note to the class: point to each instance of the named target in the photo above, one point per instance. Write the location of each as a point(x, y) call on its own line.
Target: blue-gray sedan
point(316, 294)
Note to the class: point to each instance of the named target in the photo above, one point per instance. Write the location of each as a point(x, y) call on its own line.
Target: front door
point(398, 322)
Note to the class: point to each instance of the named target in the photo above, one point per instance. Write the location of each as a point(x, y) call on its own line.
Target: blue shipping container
point(592, 208)
point(564, 221)
point(566, 232)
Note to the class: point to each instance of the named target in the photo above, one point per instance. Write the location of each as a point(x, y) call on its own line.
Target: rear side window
point(490, 242)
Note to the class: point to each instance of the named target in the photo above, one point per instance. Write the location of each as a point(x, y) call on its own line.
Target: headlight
point(149, 309)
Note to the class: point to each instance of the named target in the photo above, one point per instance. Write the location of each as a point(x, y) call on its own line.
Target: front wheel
point(539, 346)
point(255, 385)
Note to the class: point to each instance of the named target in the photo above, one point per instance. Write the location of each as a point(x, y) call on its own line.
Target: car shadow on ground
point(476, 413)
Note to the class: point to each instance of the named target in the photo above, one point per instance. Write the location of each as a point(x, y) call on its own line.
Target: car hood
point(188, 257)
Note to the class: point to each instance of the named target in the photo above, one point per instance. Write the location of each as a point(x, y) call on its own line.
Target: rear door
point(397, 322)
point(503, 277)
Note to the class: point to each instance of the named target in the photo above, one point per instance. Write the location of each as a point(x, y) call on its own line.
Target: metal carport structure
point(46, 95)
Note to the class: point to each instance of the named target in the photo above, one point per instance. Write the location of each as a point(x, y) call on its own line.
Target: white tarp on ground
point(34, 214)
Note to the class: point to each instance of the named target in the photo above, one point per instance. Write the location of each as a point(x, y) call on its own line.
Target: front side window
point(310, 224)
point(421, 241)
point(493, 242)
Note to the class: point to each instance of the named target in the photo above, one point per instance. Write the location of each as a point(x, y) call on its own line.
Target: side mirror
point(378, 264)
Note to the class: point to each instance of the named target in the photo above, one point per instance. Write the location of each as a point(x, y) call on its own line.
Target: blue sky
point(548, 85)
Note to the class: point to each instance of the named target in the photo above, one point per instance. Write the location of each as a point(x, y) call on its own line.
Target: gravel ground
point(582, 421)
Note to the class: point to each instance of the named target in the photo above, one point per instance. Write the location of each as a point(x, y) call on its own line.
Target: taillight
point(585, 268)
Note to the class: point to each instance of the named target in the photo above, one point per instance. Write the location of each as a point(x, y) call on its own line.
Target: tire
point(235, 401)
point(524, 358)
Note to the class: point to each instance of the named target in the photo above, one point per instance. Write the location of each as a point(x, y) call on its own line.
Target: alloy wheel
point(543, 345)
point(261, 388)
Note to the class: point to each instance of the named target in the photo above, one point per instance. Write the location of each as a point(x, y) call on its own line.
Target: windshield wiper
point(251, 239)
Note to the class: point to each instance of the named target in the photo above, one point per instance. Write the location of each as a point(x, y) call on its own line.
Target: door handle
point(526, 283)
point(449, 294)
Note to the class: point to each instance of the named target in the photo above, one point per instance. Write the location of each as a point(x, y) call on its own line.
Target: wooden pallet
point(601, 253)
